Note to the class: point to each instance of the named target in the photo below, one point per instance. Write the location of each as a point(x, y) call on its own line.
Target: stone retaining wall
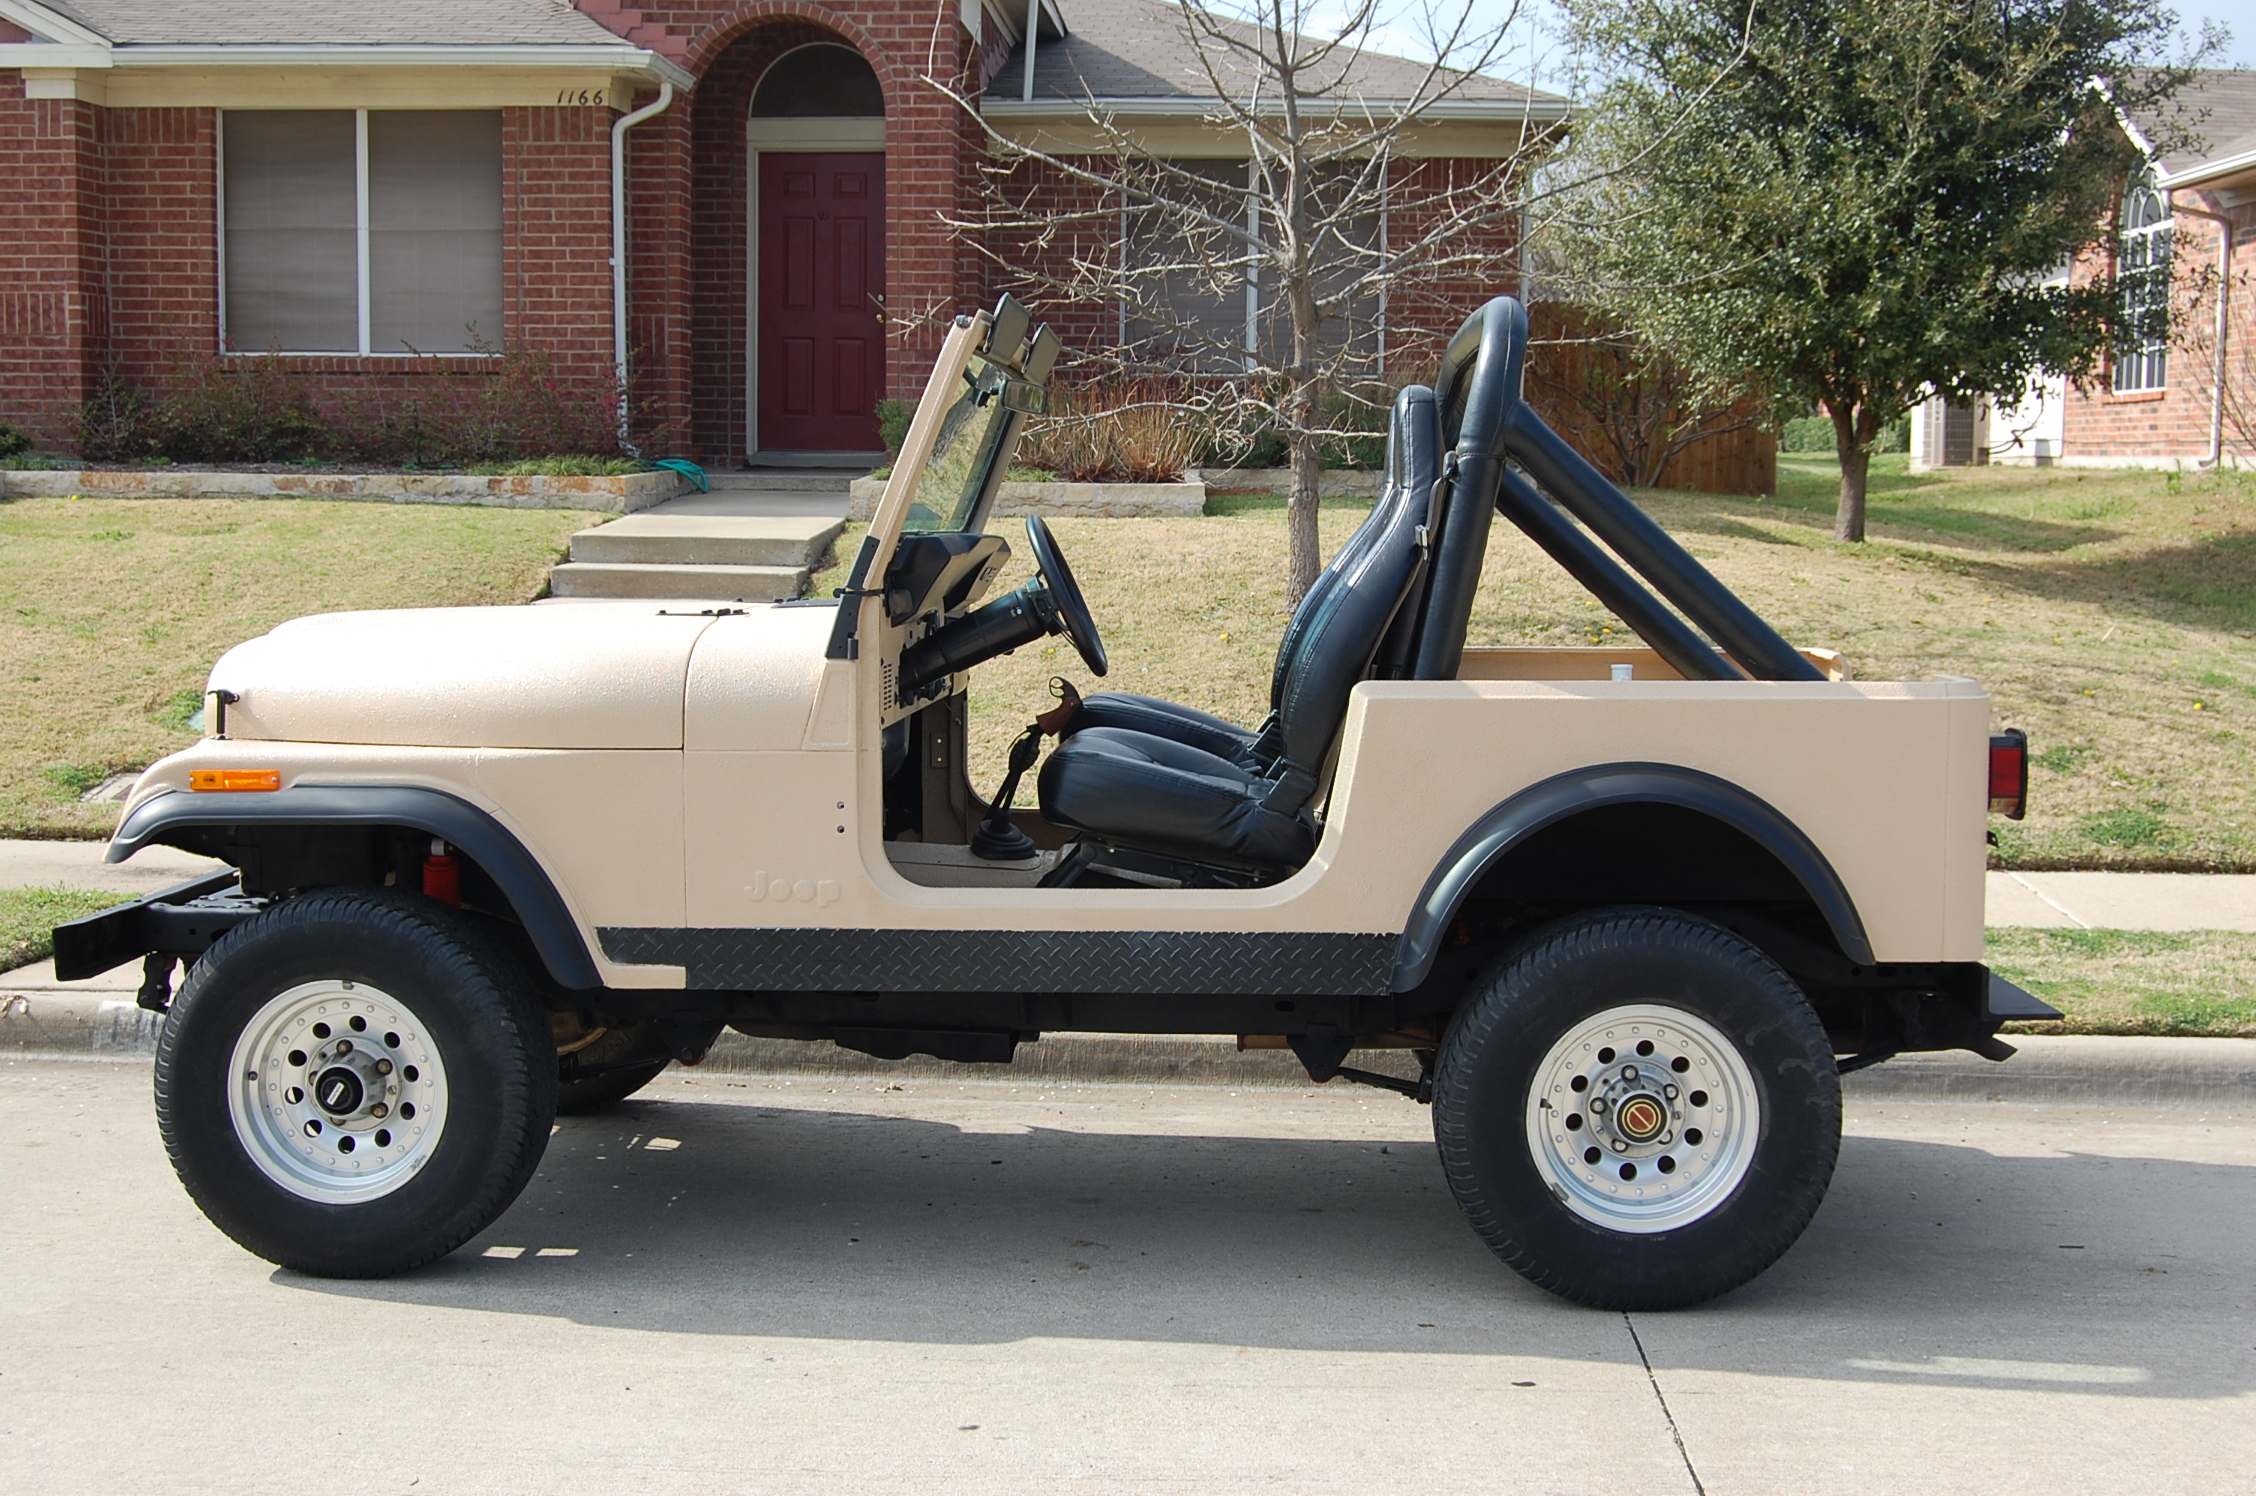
point(627, 492)
point(1079, 500)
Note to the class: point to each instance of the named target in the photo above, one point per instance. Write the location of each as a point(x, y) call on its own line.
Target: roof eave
point(620, 59)
point(2206, 172)
point(1497, 111)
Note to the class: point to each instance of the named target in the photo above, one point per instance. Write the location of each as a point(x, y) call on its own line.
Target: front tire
point(355, 1083)
point(1640, 1110)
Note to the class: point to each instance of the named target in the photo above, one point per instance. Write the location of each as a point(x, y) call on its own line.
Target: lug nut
point(384, 1067)
point(379, 1110)
point(1629, 1072)
point(344, 1046)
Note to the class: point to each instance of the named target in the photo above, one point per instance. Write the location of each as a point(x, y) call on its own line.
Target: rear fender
point(1494, 836)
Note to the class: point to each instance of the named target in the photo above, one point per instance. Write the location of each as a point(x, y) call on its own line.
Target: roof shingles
point(250, 23)
point(1139, 49)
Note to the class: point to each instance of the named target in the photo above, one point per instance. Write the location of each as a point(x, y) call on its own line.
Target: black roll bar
point(1485, 422)
point(1605, 579)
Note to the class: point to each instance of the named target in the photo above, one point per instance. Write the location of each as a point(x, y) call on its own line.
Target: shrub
point(1815, 434)
point(893, 424)
point(1114, 433)
point(12, 441)
point(514, 407)
point(242, 410)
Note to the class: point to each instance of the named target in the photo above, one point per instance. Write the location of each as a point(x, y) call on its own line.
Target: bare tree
point(1261, 280)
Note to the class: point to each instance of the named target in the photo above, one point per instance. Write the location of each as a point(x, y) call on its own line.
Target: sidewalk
point(2092, 901)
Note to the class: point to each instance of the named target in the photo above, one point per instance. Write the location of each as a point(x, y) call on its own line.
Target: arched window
point(821, 81)
point(2142, 271)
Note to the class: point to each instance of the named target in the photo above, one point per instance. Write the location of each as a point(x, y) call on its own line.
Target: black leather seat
point(1160, 777)
point(1413, 463)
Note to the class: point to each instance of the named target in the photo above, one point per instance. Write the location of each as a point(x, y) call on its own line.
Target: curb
point(2081, 1070)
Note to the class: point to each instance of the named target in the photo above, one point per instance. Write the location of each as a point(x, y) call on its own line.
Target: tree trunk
point(1856, 464)
point(1303, 554)
point(1303, 558)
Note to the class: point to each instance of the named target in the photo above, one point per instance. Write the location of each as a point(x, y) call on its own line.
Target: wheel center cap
point(1641, 1118)
point(339, 1091)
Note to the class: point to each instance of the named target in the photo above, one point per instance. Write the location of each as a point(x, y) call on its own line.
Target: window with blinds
point(361, 232)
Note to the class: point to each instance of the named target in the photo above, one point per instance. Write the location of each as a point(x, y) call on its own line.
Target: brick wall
point(50, 310)
point(160, 195)
point(2173, 422)
point(109, 259)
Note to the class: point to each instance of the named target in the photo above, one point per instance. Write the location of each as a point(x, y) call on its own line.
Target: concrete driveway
point(744, 1284)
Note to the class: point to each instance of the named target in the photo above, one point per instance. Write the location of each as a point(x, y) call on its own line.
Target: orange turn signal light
point(235, 779)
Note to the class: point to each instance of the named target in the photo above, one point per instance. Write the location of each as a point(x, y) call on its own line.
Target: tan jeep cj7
point(1633, 910)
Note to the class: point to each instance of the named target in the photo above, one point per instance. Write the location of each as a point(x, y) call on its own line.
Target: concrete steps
point(741, 584)
point(700, 551)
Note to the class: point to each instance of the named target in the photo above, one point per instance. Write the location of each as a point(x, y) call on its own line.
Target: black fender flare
point(1563, 795)
point(483, 839)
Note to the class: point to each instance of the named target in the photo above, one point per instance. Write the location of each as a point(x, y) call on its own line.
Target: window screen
point(362, 232)
point(434, 231)
point(292, 223)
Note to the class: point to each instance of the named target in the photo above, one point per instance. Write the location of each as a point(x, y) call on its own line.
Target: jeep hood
point(565, 675)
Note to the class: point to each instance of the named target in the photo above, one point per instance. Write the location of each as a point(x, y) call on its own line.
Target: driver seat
point(1190, 785)
point(1413, 464)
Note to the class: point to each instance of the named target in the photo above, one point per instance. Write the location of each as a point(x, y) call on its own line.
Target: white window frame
point(2148, 250)
point(361, 227)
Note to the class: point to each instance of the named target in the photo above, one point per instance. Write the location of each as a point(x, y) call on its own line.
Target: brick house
point(382, 191)
point(2183, 393)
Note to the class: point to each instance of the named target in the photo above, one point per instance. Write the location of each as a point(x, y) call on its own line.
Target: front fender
point(484, 840)
point(1554, 799)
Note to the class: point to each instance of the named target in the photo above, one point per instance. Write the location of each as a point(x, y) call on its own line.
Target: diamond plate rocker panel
point(1070, 961)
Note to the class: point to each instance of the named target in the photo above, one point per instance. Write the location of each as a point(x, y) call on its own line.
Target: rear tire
point(355, 1082)
point(1638, 1111)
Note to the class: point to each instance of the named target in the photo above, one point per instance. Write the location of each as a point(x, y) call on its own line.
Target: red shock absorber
point(442, 875)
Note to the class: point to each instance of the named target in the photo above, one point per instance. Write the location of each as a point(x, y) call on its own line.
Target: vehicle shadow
point(838, 1224)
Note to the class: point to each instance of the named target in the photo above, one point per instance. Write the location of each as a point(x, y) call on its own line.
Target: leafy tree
point(1852, 203)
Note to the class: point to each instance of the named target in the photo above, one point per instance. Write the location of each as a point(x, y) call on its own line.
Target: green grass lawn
point(2202, 982)
point(2110, 613)
point(29, 915)
point(113, 610)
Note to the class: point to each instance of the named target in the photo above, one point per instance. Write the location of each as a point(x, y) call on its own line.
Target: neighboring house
point(380, 191)
point(2180, 389)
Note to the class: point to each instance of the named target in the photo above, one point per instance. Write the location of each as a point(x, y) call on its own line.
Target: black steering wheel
point(1065, 594)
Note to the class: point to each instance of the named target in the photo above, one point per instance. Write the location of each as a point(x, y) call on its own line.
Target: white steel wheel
point(339, 1094)
point(1643, 1118)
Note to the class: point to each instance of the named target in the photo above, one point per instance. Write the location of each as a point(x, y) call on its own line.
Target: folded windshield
point(976, 433)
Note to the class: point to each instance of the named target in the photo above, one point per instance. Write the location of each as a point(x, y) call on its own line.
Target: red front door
point(822, 301)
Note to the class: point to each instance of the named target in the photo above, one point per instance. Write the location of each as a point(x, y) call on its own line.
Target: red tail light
point(2009, 774)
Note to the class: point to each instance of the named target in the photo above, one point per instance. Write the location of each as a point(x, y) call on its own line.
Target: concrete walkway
point(2092, 901)
point(755, 537)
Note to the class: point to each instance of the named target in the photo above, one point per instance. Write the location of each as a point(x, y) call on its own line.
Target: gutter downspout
point(619, 129)
point(1033, 29)
point(2224, 225)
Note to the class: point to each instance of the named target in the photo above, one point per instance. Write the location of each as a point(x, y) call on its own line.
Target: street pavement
point(739, 1283)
